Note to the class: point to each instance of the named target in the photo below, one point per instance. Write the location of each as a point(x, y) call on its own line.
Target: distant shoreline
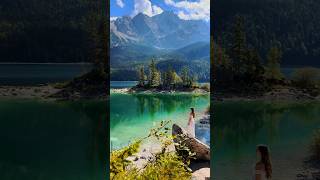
point(35, 63)
point(47, 91)
point(286, 93)
point(157, 91)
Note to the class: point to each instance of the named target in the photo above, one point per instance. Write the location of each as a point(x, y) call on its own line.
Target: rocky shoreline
point(158, 91)
point(28, 92)
point(276, 94)
point(53, 92)
point(200, 169)
point(46, 92)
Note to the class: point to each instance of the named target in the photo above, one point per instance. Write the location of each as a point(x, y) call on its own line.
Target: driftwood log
point(202, 150)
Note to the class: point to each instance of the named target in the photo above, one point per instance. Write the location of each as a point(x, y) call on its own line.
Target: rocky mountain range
point(171, 41)
point(163, 31)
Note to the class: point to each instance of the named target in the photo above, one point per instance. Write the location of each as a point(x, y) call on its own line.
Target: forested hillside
point(44, 30)
point(293, 24)
point(126, 60)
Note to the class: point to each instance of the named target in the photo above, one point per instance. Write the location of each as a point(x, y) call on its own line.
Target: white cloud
point(120, 3)
point(145, 7)
point(196, 10)
point(113, 18)
point(156, 10)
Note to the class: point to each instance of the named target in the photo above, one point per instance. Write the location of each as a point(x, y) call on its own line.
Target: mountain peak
point(123, 19)
point(165, 30)
point(170, 14)
point(141, 15)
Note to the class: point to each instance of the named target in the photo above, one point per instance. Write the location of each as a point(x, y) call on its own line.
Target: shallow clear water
point(239, 126)
point(122, 84)
point(51, 140)
point(34, 74)
point(132, 116)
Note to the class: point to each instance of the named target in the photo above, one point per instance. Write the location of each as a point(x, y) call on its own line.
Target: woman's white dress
point(191, 126)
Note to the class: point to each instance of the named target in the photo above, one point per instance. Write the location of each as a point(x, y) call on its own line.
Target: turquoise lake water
point(52, 140)
point(132, 116)
point(122, 84)
point(239, 126)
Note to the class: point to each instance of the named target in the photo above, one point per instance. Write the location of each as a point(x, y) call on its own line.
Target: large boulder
point(201, 150)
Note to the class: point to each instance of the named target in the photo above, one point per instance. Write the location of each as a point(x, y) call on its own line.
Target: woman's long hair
point(192, 112)
point(265, 159)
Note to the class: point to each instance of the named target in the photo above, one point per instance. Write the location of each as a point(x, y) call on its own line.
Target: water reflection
point(167, 103)
point(133, 115)
point(239, 126)
point(240, 122)
point(52, 140)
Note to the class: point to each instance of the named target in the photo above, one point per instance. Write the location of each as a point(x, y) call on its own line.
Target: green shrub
point(163, 165)
point(119, 162)
point(166, 166)
point(306, 77)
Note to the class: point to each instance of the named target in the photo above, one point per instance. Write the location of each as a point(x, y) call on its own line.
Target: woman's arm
point(258, 172)
point(189, 121)
point(258, 176)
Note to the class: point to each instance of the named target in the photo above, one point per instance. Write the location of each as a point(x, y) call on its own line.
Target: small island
point(242, 73)
point(168, 81)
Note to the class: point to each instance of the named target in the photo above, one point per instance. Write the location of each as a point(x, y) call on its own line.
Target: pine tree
point(170, 76)
point(103, 47)
point(256, 61)
point(238, 46)
point(176, 78)
point(273, 64)
point(142, 77)
point(193, 80)
point(99, 38)
point(157, 81)
point(164, 79)
point(154, 75)
point(253, 65)
point(185, 75)
point(223, 60)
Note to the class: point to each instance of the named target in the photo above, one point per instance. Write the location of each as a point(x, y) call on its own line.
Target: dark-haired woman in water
point(191, 125)
point(263, 168)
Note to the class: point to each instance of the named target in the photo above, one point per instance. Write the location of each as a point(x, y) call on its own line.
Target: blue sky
point(185, 9)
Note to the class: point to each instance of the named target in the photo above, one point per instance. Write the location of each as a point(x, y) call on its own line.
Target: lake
point(34, 74)
point(132, 116)
point(122, 84)
point(239, 126)
point(52, 140)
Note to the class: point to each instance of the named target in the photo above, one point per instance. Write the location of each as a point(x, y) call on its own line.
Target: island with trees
point(36, 33)
point(169, 80)
point(240, 71)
